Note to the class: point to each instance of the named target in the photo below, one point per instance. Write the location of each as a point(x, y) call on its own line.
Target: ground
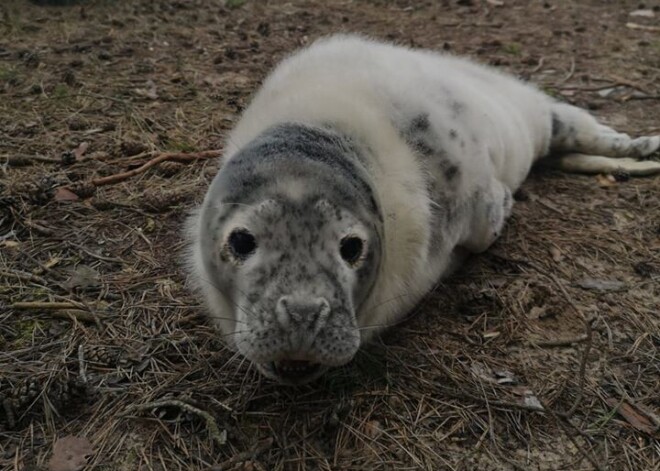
point(541, 354)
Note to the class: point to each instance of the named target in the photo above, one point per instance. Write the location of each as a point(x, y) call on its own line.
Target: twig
point(655, 29)
point(558, 342)
point(463, 393)
point(585, 352)
point(167, 156)
point(24, 277)
point(45, 305)
point(21, 160)
point(77, 314)
point(81, 364)
point(559, 419)
point(570, 73)
point(642, 97)
point(588, 339)
point(219, 437)
point(257, 449)
point(96, 255)
point(61, 310)
point(629, 83)
point(539, 66)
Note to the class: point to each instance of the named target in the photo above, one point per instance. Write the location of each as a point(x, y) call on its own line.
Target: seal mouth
point(295, 371)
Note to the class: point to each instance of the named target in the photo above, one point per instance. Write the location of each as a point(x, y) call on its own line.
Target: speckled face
point(289, 234)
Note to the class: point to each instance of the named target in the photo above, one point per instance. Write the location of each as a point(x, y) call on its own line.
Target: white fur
point(363, 88)
point(356, 84)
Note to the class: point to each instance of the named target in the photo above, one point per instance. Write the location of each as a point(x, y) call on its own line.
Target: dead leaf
point(70, 453)
point(643, 13)
point(64, 194)
point(537, 312)
point(373, 429)
point(83, 277)
point(556, 254)
point(496, 3)
point(10, 244)
point(635, 416)
point(527, 397)
point(505, 377)
point(601, 285)
point(80, 150)
point(150, 91)
point(482, 371)
point(52, 262)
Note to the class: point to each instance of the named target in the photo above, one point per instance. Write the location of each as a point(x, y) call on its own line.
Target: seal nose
point(310, 313)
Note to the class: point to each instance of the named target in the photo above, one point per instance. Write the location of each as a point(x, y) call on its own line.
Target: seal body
point(357, 178)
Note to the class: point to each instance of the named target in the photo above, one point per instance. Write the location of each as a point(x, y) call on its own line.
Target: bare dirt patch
point(90, 89)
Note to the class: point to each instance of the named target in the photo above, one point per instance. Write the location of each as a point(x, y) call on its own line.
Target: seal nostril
point(313, 310)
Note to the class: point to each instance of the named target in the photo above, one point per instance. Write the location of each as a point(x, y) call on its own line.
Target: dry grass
point(509, 365)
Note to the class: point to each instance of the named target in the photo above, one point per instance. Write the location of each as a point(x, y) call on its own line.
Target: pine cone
point(161, 201)
point(83, 189)
point(25, 393)
point(101, 355)
point(103, 204)
point(168, 169)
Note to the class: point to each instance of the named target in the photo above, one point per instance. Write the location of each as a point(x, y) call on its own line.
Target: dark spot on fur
point(557, 125)
point(423, 147)
point(456, 108)
point(451, 171)
point(453, 134)
point(420, 123)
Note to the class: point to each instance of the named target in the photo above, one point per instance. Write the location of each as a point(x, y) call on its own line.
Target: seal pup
point(361, 174)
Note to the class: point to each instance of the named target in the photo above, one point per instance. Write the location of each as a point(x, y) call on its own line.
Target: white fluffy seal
point(356, 179)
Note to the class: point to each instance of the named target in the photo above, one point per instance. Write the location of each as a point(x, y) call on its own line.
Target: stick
point(219, 437)
point(558, 342)
point(81, 364)
point(588, 339)
point(24, 277)
point(169, 156)
point(45, 305)
point(257, 449)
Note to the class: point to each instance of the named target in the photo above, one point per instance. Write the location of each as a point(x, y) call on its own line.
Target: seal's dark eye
point(242, 243)
point(350, 249)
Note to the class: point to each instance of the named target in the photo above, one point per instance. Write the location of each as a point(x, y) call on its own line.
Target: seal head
point(287, 247)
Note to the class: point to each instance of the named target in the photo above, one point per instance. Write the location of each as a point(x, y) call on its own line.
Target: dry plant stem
point(61, 310)
point(257, 450)
point(81, 364)
point(559, 419)
point(76, 314)
point(167, 156)
point(211, 424)
point(24, 277)
point(46, 305)
point(585, 352)
point(588, 339)
point(558, 342)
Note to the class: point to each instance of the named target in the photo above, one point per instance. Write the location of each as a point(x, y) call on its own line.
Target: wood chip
point(635, 416)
